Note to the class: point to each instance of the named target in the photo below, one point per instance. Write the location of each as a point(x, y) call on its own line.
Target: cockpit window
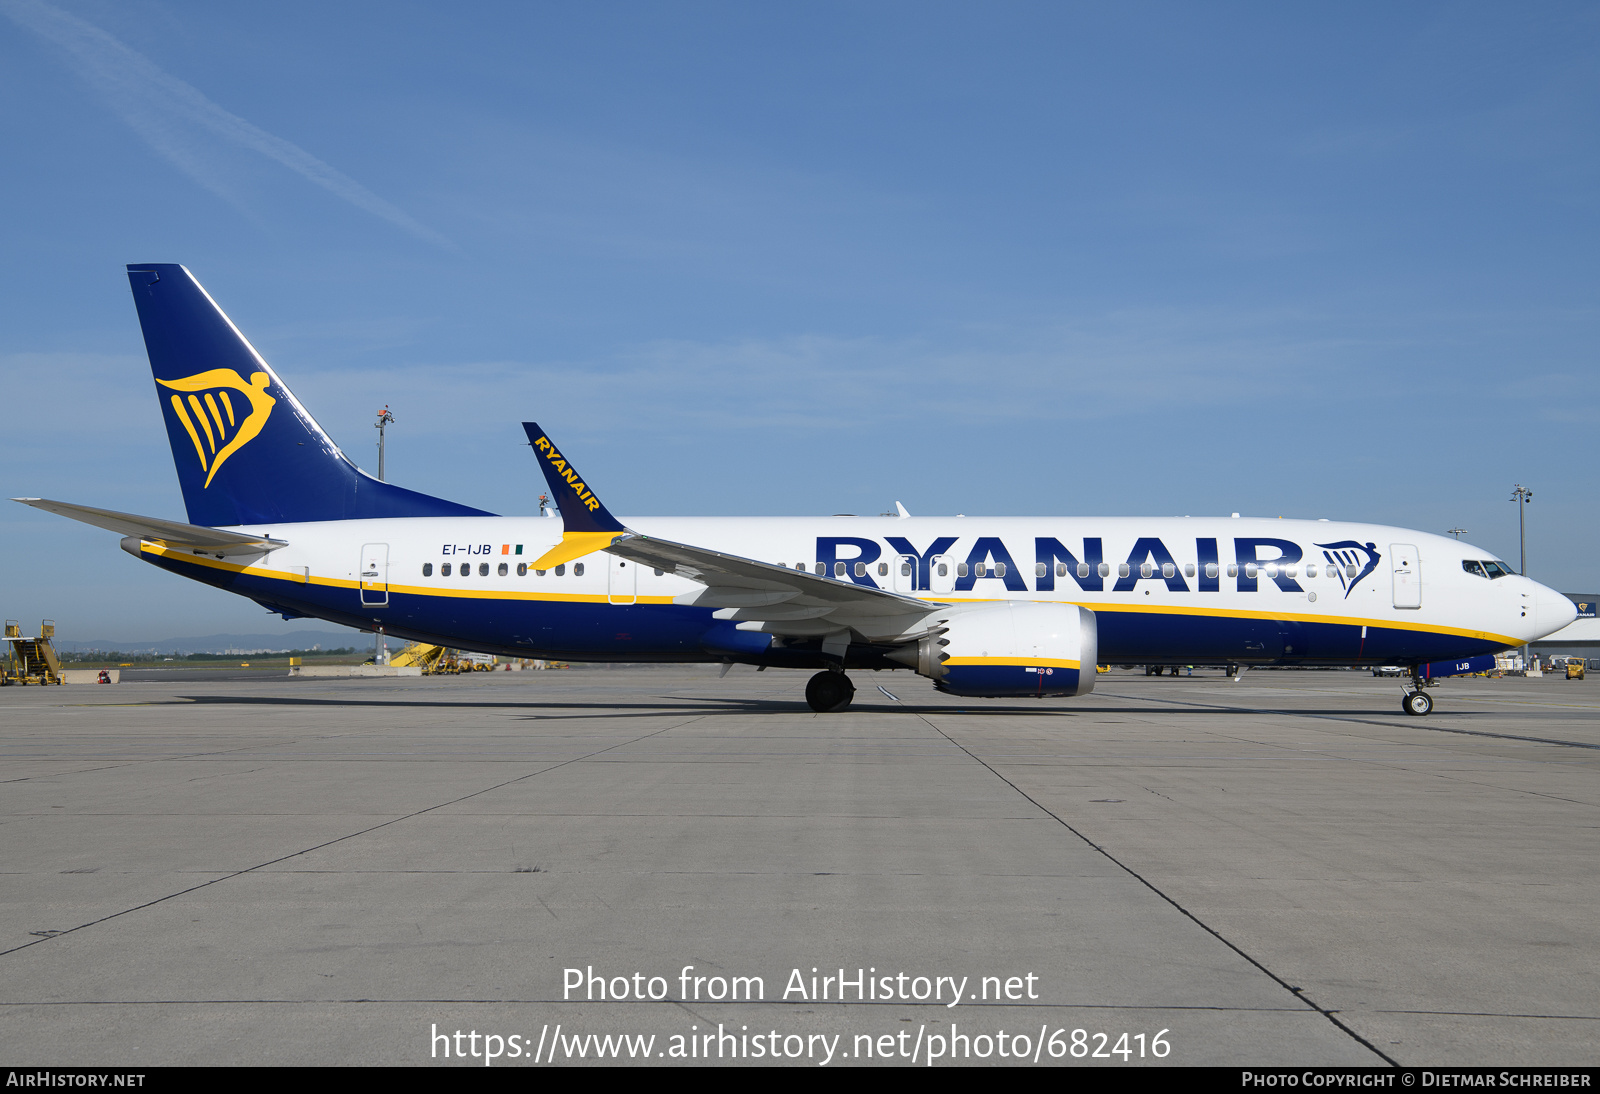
point(1473, 566)
point(1498, 569)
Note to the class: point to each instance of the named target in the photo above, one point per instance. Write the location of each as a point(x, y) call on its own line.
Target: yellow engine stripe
point(1014, 662)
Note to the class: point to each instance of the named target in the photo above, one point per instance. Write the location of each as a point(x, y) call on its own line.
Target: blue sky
point(814, 258)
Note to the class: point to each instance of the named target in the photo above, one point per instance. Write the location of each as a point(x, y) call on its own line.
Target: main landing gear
point(829, 692)
point(1417, 701)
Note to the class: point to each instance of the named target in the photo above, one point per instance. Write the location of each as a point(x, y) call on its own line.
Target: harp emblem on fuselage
point(220, 412)
point(1346, 556)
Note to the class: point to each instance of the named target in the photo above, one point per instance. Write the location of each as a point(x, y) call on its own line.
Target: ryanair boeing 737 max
point(981, 606)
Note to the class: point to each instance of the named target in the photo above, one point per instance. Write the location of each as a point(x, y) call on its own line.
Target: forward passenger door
point(1407, 570)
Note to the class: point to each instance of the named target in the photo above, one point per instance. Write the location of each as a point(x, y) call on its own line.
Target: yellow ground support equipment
point(1575, 667)
point(437, 660)
point(33, 660)
point(427, 658)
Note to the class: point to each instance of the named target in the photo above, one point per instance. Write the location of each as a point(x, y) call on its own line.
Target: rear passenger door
point(373, 577)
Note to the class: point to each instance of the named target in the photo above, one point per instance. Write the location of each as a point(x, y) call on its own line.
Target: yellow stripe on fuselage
point(294, 577)
point(1240, 613)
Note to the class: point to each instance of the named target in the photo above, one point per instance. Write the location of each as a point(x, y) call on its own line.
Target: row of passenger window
point(1146, 570)
point(503, 569)
point(942, 569)
point(1212, 570)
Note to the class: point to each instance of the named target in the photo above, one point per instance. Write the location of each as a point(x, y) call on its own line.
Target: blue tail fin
point(247, 452)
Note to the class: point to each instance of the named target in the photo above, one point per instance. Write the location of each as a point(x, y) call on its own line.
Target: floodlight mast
point(384, 418)
point(1522, 495)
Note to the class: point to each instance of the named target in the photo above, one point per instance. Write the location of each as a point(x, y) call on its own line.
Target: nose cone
point(1551, 611)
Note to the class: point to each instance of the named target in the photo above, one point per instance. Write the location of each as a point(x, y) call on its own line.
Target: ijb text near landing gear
point(829, 692)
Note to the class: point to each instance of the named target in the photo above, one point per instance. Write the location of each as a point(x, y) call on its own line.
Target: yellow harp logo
point(225, 427)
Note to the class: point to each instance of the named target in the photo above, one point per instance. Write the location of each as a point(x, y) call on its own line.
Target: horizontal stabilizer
point(169, 533)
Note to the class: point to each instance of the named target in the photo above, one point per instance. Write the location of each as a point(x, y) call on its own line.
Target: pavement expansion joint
point(1295, 991)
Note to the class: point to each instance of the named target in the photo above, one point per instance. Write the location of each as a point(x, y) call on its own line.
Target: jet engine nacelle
point(1011, 648)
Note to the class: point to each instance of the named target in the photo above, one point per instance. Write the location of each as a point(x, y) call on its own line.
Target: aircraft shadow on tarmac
point(713, 705)
point(704, 706)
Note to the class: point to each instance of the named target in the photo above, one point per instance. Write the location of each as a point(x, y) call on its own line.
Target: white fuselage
point(1163, 588)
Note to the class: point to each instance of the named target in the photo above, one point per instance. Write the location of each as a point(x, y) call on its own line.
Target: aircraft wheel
point(1417, 702)
point(829, 692)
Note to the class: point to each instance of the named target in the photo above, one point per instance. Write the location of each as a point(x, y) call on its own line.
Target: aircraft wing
point(760, 595)
point(169, 533)
point(764, 590)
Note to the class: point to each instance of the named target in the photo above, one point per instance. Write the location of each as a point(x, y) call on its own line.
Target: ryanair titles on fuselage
point(943, 563)
point(1252, 557)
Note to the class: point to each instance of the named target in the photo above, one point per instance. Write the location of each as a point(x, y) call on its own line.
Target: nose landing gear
point(1416, 701)
point(829, 692)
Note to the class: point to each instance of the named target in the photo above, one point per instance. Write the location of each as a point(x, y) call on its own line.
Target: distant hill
point(219, 643)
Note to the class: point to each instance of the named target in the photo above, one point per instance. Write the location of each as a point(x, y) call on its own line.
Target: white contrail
point(155, 105)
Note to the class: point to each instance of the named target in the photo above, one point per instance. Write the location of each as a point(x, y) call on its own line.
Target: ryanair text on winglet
point(589, 500)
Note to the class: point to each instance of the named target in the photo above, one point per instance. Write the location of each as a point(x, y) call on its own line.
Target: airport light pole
point(380, 653)
point(384, 418)
point(1457, 532)
point(1522, 495)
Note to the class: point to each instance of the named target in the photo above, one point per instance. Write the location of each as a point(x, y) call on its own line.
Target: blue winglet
point(580, 509)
